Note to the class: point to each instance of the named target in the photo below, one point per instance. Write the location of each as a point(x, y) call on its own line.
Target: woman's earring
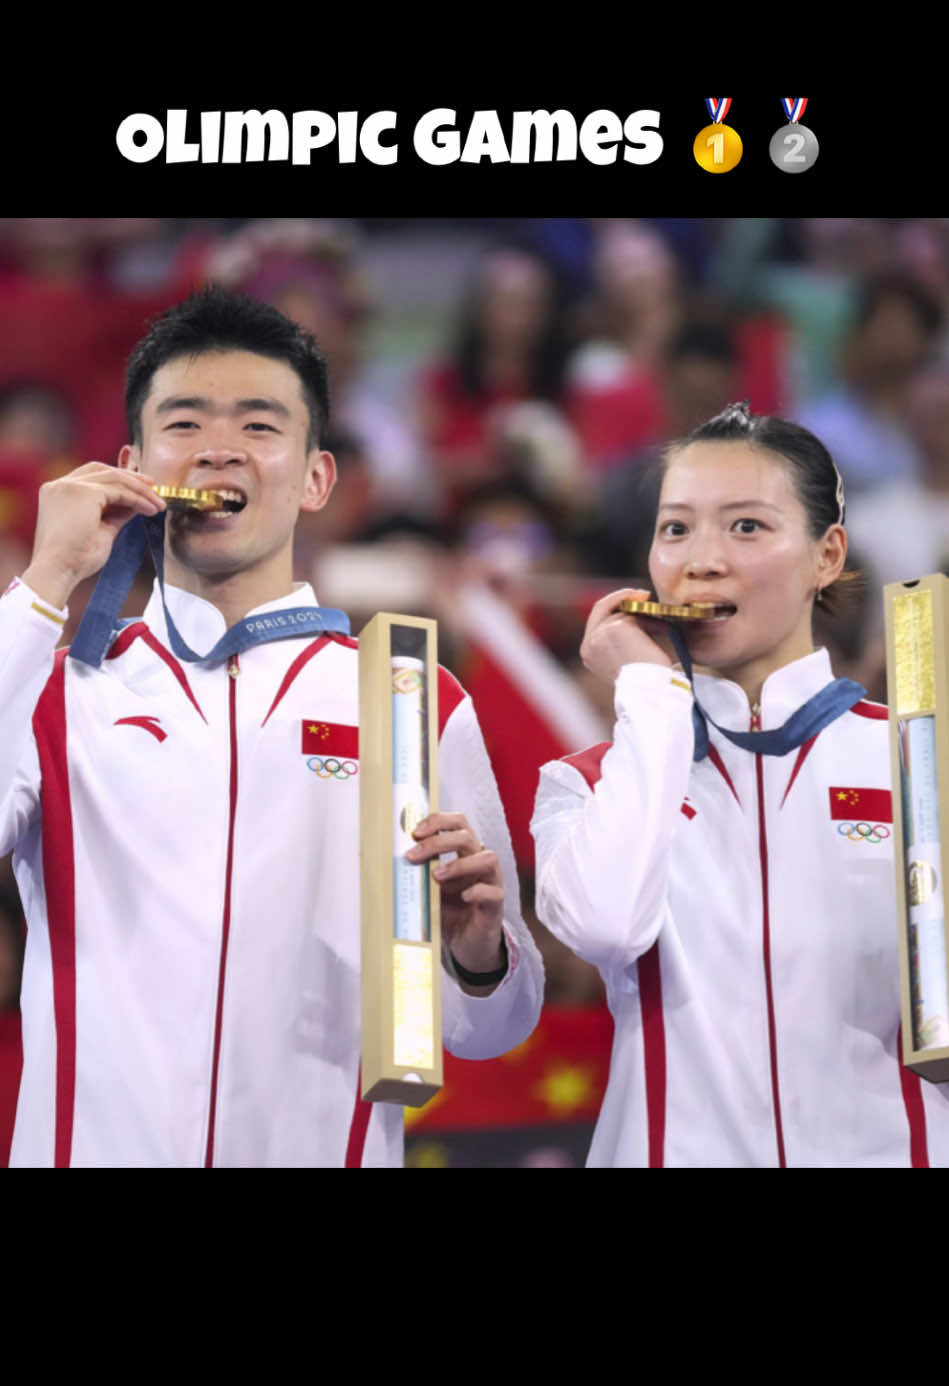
point(820, 596)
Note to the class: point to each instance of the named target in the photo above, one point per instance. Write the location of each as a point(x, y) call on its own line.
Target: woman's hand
point(613, 637)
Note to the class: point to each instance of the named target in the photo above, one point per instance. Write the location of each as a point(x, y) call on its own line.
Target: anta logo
point(149, 724)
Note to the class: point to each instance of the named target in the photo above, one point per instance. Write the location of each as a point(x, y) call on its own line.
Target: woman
point(511, 349)
point(747, 941)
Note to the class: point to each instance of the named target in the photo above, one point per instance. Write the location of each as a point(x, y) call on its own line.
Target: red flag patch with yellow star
point(875, 804)
point(329, 739)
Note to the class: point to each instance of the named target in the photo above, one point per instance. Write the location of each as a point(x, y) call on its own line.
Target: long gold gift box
point(401, 935)
point(917, 661)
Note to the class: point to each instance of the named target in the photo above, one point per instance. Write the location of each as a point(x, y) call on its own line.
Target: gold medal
point(666, 611)
point(717, 148)
point(185, 498)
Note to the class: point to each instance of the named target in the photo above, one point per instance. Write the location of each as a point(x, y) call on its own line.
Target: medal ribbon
point(718, 107)
point(818, 712)
point(794, 107)
point(101, 620)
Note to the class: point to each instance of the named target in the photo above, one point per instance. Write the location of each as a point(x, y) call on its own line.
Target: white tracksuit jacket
point(748, 945)
point(191, 987)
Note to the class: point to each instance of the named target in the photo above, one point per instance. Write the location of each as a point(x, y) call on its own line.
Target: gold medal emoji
point(717, 148)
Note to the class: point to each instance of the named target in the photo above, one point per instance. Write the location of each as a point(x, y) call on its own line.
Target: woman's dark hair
point(214, 319)
point(817, 481)
point(547, 356)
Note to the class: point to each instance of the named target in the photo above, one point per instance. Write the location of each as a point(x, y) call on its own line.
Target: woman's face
point(514, 301)
point(731, 528)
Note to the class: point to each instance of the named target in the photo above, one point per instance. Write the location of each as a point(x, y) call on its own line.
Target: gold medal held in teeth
point(185, 498)
point(666, 611)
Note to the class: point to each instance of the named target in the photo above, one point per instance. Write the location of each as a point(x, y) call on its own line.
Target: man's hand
point(613, 637)
point(78, 517)
point(472, 892)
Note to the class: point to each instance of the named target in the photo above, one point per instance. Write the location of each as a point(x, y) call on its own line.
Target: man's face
point(237, 422)
point(893, 341)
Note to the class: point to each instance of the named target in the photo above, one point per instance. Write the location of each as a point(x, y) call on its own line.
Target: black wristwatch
point(482, 979)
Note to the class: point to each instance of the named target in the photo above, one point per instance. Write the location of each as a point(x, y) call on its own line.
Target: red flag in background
point(528, 706)
point(558, 1074)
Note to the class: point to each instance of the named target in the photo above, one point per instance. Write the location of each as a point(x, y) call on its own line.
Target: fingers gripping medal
point(718, 147)
point(794, 148)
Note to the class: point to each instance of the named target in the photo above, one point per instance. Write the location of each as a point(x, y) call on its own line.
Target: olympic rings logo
point(332, 769)
point(864, 832)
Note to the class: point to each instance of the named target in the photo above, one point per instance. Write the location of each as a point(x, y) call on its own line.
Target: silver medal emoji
point(794, 148)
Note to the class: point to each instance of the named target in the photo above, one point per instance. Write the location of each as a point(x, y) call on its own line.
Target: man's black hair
point(707, 339)
point(214, 319)
point(895, 284)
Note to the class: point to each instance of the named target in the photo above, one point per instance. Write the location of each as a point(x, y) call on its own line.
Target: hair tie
point(841, 507)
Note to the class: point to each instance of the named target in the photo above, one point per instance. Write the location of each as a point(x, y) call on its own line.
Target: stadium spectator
point(862, 420)
point(510, 347)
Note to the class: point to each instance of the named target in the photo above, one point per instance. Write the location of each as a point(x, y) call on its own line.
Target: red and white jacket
point(746, 930)
point(191, 989)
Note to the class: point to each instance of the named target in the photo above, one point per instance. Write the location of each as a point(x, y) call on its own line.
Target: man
point(862, 421)
point(191, 986)
point(901, 530)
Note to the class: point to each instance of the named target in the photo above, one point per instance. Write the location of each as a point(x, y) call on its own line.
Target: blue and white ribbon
point(101, 620)
point(794, 107)
point(836, 698)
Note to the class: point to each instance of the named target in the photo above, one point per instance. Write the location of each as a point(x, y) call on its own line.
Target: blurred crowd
point(501, 391)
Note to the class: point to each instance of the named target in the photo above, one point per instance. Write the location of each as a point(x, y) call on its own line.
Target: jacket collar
point(782, 693)
point(199, 622)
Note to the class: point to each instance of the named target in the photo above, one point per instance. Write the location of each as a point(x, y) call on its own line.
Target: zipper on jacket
point(766, 949)
point(233, 669)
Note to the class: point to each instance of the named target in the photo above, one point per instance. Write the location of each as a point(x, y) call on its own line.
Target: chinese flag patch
point(329, 739)
point(874, 805)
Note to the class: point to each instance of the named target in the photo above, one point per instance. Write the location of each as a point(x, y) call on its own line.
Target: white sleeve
point(29, 631)
point(603, 854)
point(481, 1027)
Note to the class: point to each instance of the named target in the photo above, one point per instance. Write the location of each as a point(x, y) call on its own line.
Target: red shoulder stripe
point(131, 634)
point(450, 694)
point(302, 658)
point(125, 638)
point(879, 712)
point(716, 760)
point(801, 757)
point(589, 762)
